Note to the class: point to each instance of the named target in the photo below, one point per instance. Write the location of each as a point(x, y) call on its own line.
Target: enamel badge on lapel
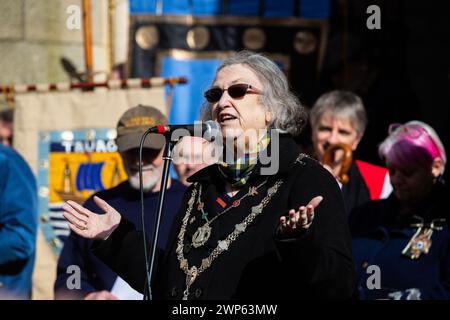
point(420, 243)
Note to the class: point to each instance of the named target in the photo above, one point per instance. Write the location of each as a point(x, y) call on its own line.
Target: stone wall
point(34, 36)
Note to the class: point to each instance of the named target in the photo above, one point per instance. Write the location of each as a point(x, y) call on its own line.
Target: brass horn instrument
point(330, 155)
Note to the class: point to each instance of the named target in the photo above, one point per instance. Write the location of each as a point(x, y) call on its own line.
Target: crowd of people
point(234, 224)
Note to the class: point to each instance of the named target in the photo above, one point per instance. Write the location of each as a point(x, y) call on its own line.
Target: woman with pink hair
point(401, 245)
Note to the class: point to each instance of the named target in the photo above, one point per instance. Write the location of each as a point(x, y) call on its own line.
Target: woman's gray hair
point(288, 115)
point(343, 104)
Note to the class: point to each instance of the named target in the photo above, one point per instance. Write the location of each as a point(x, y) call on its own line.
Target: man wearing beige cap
point(98, 282)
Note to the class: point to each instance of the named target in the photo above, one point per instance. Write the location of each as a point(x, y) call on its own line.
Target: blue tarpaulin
point(313, 9)
point(188, 98)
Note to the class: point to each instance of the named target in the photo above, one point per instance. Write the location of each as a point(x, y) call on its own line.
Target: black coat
point(380, 233)
point(259, 264)
point(355, 192)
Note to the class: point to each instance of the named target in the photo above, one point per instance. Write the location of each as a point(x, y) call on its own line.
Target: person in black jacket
point(401, 245)
point(265, 221)
point(339, 117)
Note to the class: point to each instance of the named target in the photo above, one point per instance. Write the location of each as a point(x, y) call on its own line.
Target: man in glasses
point(190, 155)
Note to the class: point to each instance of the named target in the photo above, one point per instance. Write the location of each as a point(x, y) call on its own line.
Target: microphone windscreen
point(212, 130)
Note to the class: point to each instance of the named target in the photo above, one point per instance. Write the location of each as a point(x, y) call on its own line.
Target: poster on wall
point(73, 165)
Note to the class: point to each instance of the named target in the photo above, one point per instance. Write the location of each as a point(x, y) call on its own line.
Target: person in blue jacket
point(401, 245)
point(18, 225)
point(99, 282)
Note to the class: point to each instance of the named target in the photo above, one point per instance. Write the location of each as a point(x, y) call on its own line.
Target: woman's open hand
point(88, 224)
point(301, 219)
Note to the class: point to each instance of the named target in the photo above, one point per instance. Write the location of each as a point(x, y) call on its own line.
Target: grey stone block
point(47, 21)
point(11, 19)
point(31, 63)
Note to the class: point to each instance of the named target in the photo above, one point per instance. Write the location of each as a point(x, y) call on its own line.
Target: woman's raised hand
point(301, 219)
point(88, 224)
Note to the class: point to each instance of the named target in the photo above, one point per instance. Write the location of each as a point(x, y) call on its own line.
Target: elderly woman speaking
point(263, 222)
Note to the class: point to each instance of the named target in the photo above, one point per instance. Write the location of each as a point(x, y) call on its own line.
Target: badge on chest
point(420, 243)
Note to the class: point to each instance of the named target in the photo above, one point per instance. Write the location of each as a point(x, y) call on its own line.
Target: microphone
point(207, 130)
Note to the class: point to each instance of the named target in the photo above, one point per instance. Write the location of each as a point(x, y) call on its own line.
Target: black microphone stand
point(167, 158)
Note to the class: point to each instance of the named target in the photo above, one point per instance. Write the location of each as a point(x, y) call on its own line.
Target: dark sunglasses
point(235, 91)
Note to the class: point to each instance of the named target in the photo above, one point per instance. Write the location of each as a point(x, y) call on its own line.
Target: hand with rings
point(88, 224)
point(301, 219)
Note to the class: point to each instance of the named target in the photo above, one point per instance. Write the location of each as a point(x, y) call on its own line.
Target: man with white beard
point(98, 282)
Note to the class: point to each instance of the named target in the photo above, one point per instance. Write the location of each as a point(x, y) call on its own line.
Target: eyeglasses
point(235, 91)
point(414, 131)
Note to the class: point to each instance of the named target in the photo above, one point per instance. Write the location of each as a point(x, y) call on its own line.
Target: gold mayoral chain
point(205, 231)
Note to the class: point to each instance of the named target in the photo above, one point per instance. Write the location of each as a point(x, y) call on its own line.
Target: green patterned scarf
point(237, 173)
